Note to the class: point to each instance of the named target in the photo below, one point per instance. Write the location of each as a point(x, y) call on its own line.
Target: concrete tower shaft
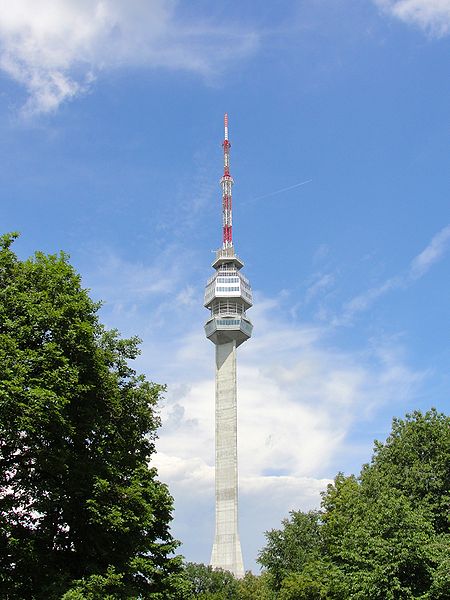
point(228, 296)
point(226, 553)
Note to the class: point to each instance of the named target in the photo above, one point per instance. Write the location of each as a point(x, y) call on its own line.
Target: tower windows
point(227, 307)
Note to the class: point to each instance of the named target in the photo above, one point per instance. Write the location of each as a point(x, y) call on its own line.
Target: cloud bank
point(56, 49)
point(299, 400)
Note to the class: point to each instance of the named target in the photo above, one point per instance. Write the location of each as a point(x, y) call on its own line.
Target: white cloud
point(431, 254)
point(321, 283)
point(319, 389)
point(125, 284)
point(55, 49)
point(127, 287)
point(298, 399)
point(363, 301)
point(418, 267)
point(431, 15)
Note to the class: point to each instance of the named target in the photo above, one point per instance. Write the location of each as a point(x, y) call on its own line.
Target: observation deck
point(228, 295)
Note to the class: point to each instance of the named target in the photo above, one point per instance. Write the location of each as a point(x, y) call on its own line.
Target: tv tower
point(228, 295)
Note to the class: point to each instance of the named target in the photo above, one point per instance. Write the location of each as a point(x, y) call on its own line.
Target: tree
point(380, 536)
point(289, 549)
point(216, 584)
point(255, 587)
point(79, 505)
point(381, 543)
point(299, 586)
point(415, 459)
point(210, 584)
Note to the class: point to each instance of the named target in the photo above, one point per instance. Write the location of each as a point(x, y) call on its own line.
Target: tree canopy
point(210, 584)
point(81, 511)
point(207, 583)
point(381, 536)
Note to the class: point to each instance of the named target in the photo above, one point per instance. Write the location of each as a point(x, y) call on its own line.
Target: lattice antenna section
point(227, 183)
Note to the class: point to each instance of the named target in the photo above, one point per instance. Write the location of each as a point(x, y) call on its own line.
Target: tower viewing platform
point(228, 296)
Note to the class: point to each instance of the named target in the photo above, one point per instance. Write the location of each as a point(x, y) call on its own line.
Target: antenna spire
point(226, 182)
point(225, 122)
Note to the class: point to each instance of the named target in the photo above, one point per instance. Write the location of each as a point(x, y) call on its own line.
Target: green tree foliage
point(283, 554)
point(381, 536)
point(210, 584)
point(255, 587)
point(384, 551)
point(215, 584)
point(415, 459)
point(80, 509)
point(299, 586)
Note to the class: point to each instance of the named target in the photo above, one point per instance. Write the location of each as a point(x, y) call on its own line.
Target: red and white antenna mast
point(226, 182)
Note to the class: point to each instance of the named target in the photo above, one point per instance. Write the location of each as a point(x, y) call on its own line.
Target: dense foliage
point(209, 584)
point(381, 536)
point(81, 512)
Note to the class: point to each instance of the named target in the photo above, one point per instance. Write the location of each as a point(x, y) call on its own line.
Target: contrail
point(291, 187)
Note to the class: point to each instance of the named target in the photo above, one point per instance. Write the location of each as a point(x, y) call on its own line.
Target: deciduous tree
point(80, 507)
point(210, 584)
point(381, 536)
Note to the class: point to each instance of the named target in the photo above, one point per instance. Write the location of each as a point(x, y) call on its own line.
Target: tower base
point(227, 554)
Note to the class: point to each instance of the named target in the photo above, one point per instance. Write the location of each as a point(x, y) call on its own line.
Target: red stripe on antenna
point(226, 183)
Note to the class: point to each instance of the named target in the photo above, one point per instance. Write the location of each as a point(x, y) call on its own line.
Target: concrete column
point(226, 553)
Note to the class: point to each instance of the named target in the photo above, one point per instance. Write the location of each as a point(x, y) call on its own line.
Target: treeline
point(383, 535)
point(84, 517)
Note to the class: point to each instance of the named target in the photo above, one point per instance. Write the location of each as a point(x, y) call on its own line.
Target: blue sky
point(111, 119)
